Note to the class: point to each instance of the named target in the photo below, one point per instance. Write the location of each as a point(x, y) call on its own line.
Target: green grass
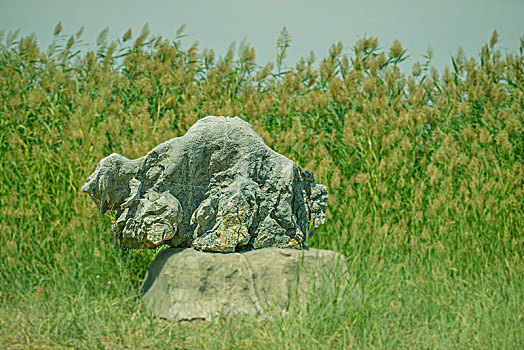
point(424, 172)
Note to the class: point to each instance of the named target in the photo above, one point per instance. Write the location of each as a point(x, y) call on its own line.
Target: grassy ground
point(424, 170)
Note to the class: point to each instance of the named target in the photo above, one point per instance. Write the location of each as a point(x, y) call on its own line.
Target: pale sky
point(313, 24)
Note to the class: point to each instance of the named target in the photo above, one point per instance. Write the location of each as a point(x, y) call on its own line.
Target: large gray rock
point(186, 284)
point(217, 188)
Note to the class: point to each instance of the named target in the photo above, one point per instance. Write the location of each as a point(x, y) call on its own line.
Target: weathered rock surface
point(217, 188)
point(186, 284)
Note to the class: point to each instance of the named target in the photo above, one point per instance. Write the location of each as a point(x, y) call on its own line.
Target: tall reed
point(424, 170)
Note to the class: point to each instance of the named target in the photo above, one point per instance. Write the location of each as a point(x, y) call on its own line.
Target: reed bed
point(424, 171)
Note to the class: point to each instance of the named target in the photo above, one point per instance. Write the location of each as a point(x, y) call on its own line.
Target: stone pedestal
point(186, 284)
